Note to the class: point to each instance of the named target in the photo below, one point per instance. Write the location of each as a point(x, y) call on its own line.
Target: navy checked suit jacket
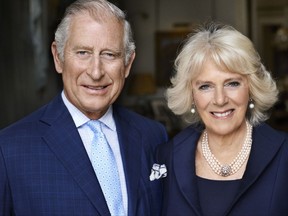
point(263, 189)
point(45, 170)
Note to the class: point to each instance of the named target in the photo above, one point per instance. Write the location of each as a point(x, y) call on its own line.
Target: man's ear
point(128, 66)
point(57, 61)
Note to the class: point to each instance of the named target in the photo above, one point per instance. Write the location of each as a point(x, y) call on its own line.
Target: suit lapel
point(64, 140)
point(184, 168)
point(131, 148)
point(262, 153)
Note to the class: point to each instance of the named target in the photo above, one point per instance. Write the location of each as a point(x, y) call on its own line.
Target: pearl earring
point(193, 111)
point(251, 104)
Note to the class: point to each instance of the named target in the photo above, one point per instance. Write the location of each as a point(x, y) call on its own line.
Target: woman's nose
point(220, 97)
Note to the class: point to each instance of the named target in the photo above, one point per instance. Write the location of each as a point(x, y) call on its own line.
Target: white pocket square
point(158, 171)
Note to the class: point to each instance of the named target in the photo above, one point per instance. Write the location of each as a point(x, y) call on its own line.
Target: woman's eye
point(204, 87)
point(233, 84)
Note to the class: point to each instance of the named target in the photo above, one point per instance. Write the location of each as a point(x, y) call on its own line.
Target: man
point(46, 159)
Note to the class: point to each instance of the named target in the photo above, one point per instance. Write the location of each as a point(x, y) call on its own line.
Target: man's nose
point(95, 71)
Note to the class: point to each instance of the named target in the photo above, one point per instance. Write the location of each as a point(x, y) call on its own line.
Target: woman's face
point(221, 99)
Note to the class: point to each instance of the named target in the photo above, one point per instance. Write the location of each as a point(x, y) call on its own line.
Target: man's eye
point(109, 55)
point(82, 53)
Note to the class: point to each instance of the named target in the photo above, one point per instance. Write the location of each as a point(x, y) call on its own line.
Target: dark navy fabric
point(263, 190)
point(215, 196)
point(45, 170)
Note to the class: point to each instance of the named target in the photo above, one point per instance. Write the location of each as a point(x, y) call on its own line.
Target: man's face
point(93, 70)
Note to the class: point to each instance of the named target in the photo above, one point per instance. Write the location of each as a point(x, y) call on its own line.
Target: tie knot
point(94, 125)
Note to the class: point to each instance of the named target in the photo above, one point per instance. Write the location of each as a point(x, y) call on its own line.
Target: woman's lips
point(222, 114)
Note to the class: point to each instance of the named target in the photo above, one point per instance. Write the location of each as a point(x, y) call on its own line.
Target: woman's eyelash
point(234, 84)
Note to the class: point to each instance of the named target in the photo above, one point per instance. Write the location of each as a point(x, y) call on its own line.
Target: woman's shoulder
point(190, 132)
point(188, 136)
point(274, 139)
point(266, 130)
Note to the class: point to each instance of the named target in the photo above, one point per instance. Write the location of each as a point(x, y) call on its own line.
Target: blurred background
point(28, 78)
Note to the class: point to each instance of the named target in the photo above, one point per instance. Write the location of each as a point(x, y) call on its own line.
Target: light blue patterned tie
point(105, 167)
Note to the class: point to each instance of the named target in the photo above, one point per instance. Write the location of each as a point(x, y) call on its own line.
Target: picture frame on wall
point(168, 45)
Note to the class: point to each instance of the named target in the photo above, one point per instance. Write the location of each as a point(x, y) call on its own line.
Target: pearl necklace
point(227, 169)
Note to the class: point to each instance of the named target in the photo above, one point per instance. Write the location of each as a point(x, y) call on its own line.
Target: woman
point(228, 162)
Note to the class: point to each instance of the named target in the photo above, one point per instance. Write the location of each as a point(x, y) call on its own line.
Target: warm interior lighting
point(142, 84)
point(281, 36)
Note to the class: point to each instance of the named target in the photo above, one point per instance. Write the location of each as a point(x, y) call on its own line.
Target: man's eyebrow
point(83, 47)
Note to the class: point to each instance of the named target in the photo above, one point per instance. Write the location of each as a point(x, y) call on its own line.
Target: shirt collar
point(80, 119)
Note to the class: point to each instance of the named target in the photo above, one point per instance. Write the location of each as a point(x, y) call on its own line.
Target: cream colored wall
point(151, 15)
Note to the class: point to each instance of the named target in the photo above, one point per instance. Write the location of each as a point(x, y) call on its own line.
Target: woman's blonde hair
point(228, 49)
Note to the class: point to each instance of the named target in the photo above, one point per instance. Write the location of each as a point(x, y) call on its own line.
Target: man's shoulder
point(23, 125)
point(133, 117)
point(130, 120)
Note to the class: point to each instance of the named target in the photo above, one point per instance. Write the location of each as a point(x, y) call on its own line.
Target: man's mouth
point(95, 87)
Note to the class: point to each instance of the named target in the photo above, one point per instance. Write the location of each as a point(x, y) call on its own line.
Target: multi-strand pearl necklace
point(227, 169)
